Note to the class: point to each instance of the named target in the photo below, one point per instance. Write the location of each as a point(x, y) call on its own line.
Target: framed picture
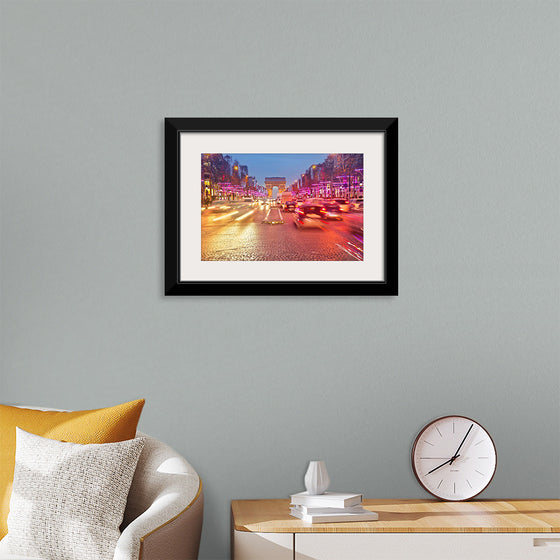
point(281, 206)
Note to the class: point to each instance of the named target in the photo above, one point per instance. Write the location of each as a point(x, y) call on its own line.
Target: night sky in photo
point(290, 166)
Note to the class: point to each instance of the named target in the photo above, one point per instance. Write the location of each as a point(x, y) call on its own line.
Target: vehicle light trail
point(245, 215)
point(359, 249)
point(353, 254)
point(226, 215)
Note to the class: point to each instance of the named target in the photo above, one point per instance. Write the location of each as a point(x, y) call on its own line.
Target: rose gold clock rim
point(423, 431)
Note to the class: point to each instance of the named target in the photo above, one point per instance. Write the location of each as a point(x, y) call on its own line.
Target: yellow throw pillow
point(103, 425)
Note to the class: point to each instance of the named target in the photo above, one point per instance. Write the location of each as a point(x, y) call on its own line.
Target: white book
point(364, 515)
point(312, 510)
point(328, 499)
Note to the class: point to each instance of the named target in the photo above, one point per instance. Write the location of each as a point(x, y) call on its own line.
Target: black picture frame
point(174, 286)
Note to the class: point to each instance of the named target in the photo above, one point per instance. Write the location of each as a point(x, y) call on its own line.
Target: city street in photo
point(282, 207)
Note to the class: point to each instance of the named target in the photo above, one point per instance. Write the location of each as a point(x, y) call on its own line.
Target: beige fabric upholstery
point(179, 539)
point(163, 516)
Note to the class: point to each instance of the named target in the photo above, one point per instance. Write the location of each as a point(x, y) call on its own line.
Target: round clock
point(454, 458)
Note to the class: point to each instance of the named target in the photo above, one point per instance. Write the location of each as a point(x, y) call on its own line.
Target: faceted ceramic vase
point(316, 478)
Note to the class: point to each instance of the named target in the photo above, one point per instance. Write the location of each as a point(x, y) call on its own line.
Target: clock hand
point(460, 445)
point(455, 456)
point(439, 466)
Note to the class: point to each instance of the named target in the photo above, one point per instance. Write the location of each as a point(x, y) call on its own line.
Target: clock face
point(454, 458)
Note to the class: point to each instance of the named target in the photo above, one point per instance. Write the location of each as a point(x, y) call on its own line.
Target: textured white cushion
point(17, 557)
point(68, 499)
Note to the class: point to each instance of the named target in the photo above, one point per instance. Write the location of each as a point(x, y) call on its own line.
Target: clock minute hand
point(461, 445)
point(443, 464)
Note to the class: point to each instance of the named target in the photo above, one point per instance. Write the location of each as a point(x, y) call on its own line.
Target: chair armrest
point(160, 532)
point(163, 517)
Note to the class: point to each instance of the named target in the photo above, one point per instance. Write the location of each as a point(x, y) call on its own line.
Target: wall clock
point(454, 458)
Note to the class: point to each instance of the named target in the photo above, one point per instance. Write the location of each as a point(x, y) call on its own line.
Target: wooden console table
point(406, 529)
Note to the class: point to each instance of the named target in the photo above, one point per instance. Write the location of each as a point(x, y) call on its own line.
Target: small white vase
point(316, 478)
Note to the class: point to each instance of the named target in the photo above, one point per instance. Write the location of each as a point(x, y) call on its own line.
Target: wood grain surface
point(409, 516)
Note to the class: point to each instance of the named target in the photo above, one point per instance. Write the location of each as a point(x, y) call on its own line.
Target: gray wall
point(250, 389)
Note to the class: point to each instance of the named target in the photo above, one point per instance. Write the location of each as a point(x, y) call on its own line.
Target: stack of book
point(330, 507)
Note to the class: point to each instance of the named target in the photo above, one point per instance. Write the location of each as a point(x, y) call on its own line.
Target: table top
point(409, 516)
